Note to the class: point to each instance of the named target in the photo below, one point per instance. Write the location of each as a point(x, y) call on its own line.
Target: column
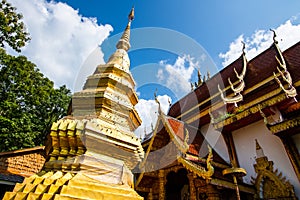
point(212, 193)
point(161, 184)
point(231, 148)
point(193, 192)
point(150, 195)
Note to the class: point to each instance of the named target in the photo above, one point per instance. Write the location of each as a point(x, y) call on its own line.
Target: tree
point(29, 103)
point(12, 29)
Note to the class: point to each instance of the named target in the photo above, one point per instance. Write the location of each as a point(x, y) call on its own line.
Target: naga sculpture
point(210, 169)
point(200, 171)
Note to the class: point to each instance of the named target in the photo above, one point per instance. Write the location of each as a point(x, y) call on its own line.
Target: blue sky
point(213, 24)
point(170, 39)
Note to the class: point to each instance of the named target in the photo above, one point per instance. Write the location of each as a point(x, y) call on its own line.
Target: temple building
point(234, 136)
point(249, 114)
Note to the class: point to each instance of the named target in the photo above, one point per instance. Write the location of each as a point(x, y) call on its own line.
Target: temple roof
point(187, 140)
point(260, 85)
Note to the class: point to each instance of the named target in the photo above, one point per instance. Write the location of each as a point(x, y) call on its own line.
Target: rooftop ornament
point(290, 91)
point(240, 85)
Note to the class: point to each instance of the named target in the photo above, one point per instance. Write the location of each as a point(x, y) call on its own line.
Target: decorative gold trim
point(241, 107)
point(234, 170)
point(226, 184)
point(269, 183)
point(199, 170)
point(285, 125)
point(202, 160)
point(254, 109)
point(217, 94)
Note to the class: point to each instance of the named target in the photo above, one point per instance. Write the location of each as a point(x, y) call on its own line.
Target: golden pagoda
point(92, 151)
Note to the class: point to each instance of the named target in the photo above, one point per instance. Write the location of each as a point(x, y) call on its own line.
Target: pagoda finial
point(131, 14)
point(124, 41)
point(257, 145)
point(259, 150)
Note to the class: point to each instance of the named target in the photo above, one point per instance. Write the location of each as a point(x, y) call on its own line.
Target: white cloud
point(61, 39)
point(147, 110)
point(177, 77)
point(287, 35)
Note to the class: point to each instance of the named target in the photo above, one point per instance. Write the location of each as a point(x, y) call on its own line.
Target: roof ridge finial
point(199, 77)
point(274, 36)
point(244, 47)
point(157, 101)
point(124, 40)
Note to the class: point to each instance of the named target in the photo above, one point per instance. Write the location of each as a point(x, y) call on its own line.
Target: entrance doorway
point(177, 187)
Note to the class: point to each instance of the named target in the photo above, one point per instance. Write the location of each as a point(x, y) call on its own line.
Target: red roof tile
point(177, 127)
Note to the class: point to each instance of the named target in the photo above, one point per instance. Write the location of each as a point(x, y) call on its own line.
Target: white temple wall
point(215, 140)
point(244, 140)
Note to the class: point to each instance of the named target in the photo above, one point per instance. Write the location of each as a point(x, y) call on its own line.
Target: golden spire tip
point(131, 14)
point(257, 145)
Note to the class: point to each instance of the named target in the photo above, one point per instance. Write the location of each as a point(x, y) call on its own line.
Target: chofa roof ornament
point(290, 91)
point(240, 84)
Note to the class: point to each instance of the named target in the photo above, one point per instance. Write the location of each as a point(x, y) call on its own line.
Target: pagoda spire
point(259, 150)
point(95, 146)
point(124, 40)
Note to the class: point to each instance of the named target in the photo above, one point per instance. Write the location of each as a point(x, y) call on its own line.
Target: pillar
point(161, 184)
point(212, 193)
point(150, 195)
point(231, 148)
point(193, 192)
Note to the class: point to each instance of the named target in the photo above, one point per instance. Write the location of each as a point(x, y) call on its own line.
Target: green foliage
point(29, 103)
point(12, 29)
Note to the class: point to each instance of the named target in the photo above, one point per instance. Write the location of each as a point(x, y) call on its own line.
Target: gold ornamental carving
point(200, 171)
point(270, 183)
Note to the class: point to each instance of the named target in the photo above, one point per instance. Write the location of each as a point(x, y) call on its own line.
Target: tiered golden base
point(67, 186)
